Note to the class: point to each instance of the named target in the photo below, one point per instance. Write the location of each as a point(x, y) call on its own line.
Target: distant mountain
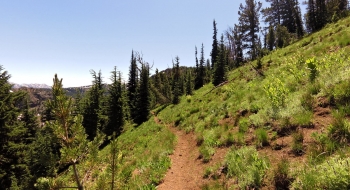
point(31, 86)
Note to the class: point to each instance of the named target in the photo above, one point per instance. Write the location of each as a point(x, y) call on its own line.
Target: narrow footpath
point(186, 172)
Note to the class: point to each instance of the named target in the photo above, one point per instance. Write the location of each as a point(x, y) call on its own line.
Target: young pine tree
point(71, 134)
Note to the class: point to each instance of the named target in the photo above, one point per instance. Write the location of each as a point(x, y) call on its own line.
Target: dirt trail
point(186, 172)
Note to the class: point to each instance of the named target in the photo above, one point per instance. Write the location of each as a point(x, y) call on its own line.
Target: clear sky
point(39, 38)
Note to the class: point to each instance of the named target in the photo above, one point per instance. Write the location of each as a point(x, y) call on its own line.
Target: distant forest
point(68, 128)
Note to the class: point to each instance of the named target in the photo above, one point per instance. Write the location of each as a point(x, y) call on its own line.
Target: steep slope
point(256, 131)
point(285, 113)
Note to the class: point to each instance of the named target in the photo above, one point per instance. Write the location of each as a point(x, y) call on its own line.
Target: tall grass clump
point(247, 167)
point(297, 143)
point(339, 130)
point(282, 178)
point(331, 174)
point(261, 137)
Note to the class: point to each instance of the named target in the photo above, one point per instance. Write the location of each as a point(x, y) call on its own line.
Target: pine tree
point(221, 66)
point(14, 169)
point(238, 37)
point(143, 99)
point(286, 13)
point(176, 89)
point(70, 131)
point(132, 86)
point(249, 23)
point(93, 106)
point(271, 38)
point(198, 79)
point(214, 50)
point(115, 110)
point(189, 83)
point(207, 78)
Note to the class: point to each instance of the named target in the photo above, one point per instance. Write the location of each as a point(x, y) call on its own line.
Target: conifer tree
point(132, 86)
point(176, 88)
point(143, 99)
point(208, 72)
point(70, 132)
point(214, 51)
point(271, 38)
point(249, 22)
point(238, 37)
point(189, 83)
point(93, 118)
point(221, 66)
point(115, 110)
point(14, 138)
point(198, 79)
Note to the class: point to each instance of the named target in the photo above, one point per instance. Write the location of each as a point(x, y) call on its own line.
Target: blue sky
point(39, 38)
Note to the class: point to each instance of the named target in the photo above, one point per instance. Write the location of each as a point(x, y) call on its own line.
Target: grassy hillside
point(296, 111)
point(286, 125)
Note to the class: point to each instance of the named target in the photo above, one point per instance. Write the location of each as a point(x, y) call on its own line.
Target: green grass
point(295, 79)
point(247, 166)
point(142, 162)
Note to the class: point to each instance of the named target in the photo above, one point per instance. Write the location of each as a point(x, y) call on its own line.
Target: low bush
point(281, 177)
point(332, 174)
point(261, 137)
point(297, 144)
point(339, 130)
point(247, 166)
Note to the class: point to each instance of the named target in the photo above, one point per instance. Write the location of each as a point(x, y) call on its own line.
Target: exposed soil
point(187, 169)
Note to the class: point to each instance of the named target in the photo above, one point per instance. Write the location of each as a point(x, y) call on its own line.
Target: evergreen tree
point(282, 36)
point(271, 38)
point(310, 16)
point(189, 83)
point(220, 68)
point(238, 37)
point(115, 105)
point(132, 86)
point(286, 13)
point(143, 103)
point(198, 79)
point(176, 89)
point(202, 66)
point(70, 132)
point(93, 106)
point(214, 50)
point(249, 23)
point(207, 78)
point(14, 170)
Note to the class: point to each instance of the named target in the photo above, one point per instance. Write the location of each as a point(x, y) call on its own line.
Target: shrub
point(303, 119)
point(297, 144)
point(261, 137)
point(206, 153)
point(311, 64)
point(229, 139)
point(339, 130)
point(332, 174)
point(322, 146)
point(281, 177)
point(247, 166)
point(341, 92)
point(243, 125)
